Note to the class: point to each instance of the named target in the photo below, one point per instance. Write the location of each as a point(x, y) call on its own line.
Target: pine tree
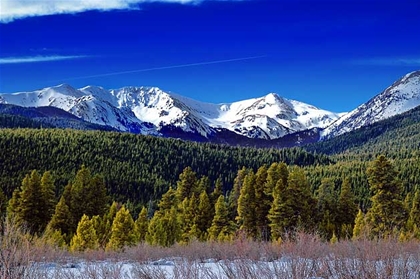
point(31, 204)
point(141, 224)
point(49, 200)
point(292, 206)
point(164, 228)
point(347, 210)
point(235, 193)
point(187, 184)
point(103, 224)
point(205, 215)
point(301, 200)
point(187, 218)
point(204, 184)
point(221, 227)
point(262, 205)
point(168, 200)
point(327, 209)
point(217, 191)
point(55, 238)
point(360, 228)
point(123, 231)
point(387, 213)
point(275, 172)
point(246, 206)
point(13, 205)
point(88, 195)
point(97, 198)
point(413, 222)
point(280, 210)
point(60, 220)
point(85, 237)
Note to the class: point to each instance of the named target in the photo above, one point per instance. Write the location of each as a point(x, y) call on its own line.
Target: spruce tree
point(205, 215)
point(280, 210)
point(48, 192)
point(387, 213)
point(168, 200)
point(221, 227)
point(235, 193)
point(275, 172)
point(103, 224)
point(301, 200)
point(217, 191)
point(263, 203)
point(13, 205)
point(246, 206)
point(164, 228)
point(123, 232)
point(141, 224)
point(327, 209)
point(187, 184)
point(97, 198)
point(85, 237)
point(360, 229)
point(187, 219)
point(88, 195)
point(413, 223)
point(60, 220)
point(347, 210)
point(32, 203)
point(204, 184)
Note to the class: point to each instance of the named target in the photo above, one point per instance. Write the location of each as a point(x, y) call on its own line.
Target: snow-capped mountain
point(147, 110)
point(400, 97)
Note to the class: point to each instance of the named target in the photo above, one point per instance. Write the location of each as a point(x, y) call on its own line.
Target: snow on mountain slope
point(131, 108)
point(400, 97)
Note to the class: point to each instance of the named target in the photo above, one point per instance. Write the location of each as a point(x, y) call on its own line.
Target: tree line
point(139, 167)
point(269, 204)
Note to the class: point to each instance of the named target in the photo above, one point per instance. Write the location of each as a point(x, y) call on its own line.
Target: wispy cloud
point(11, 10)
point(167, 67)
point(34, 59)
point(390, 61)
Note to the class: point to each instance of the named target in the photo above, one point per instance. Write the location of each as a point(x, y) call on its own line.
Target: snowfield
point(267, 117)
point(286, 267)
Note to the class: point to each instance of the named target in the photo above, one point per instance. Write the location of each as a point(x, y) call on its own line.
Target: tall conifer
point(123, 232)
point(387, 213)
point(85, 237)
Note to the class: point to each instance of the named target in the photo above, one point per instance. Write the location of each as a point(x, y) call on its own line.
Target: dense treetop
point(138, 168)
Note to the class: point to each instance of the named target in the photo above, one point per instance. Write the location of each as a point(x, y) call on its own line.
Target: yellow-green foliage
point(123, 232)
point(85, 237)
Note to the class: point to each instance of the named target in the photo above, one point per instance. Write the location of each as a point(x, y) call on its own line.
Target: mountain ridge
point(134, 109)
point(403, 95)
point(152, 111)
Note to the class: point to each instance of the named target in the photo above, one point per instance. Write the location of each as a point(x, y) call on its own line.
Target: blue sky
point(334, 54)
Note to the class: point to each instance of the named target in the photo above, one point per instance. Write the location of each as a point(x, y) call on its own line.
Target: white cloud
point(11, 10)
point(34, 59)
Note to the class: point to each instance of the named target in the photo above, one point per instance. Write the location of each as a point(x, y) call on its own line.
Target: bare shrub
point(15, 250)
point(146, 271)
point(188, 269)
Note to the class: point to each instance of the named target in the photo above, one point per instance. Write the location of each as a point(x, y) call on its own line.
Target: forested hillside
point(398, 138)
point(135, 168)
point(172, 191)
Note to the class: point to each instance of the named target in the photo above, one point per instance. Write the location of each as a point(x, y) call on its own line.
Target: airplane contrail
point(167, 67)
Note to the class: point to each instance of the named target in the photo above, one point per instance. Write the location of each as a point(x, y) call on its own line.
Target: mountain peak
point(150, 109)
point(411, 75)
point(401, 96)
point(272, 98)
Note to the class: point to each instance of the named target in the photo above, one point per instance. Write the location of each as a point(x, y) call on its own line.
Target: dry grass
point(304, 256)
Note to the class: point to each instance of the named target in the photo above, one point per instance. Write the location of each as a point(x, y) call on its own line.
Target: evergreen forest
point(108, 190)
